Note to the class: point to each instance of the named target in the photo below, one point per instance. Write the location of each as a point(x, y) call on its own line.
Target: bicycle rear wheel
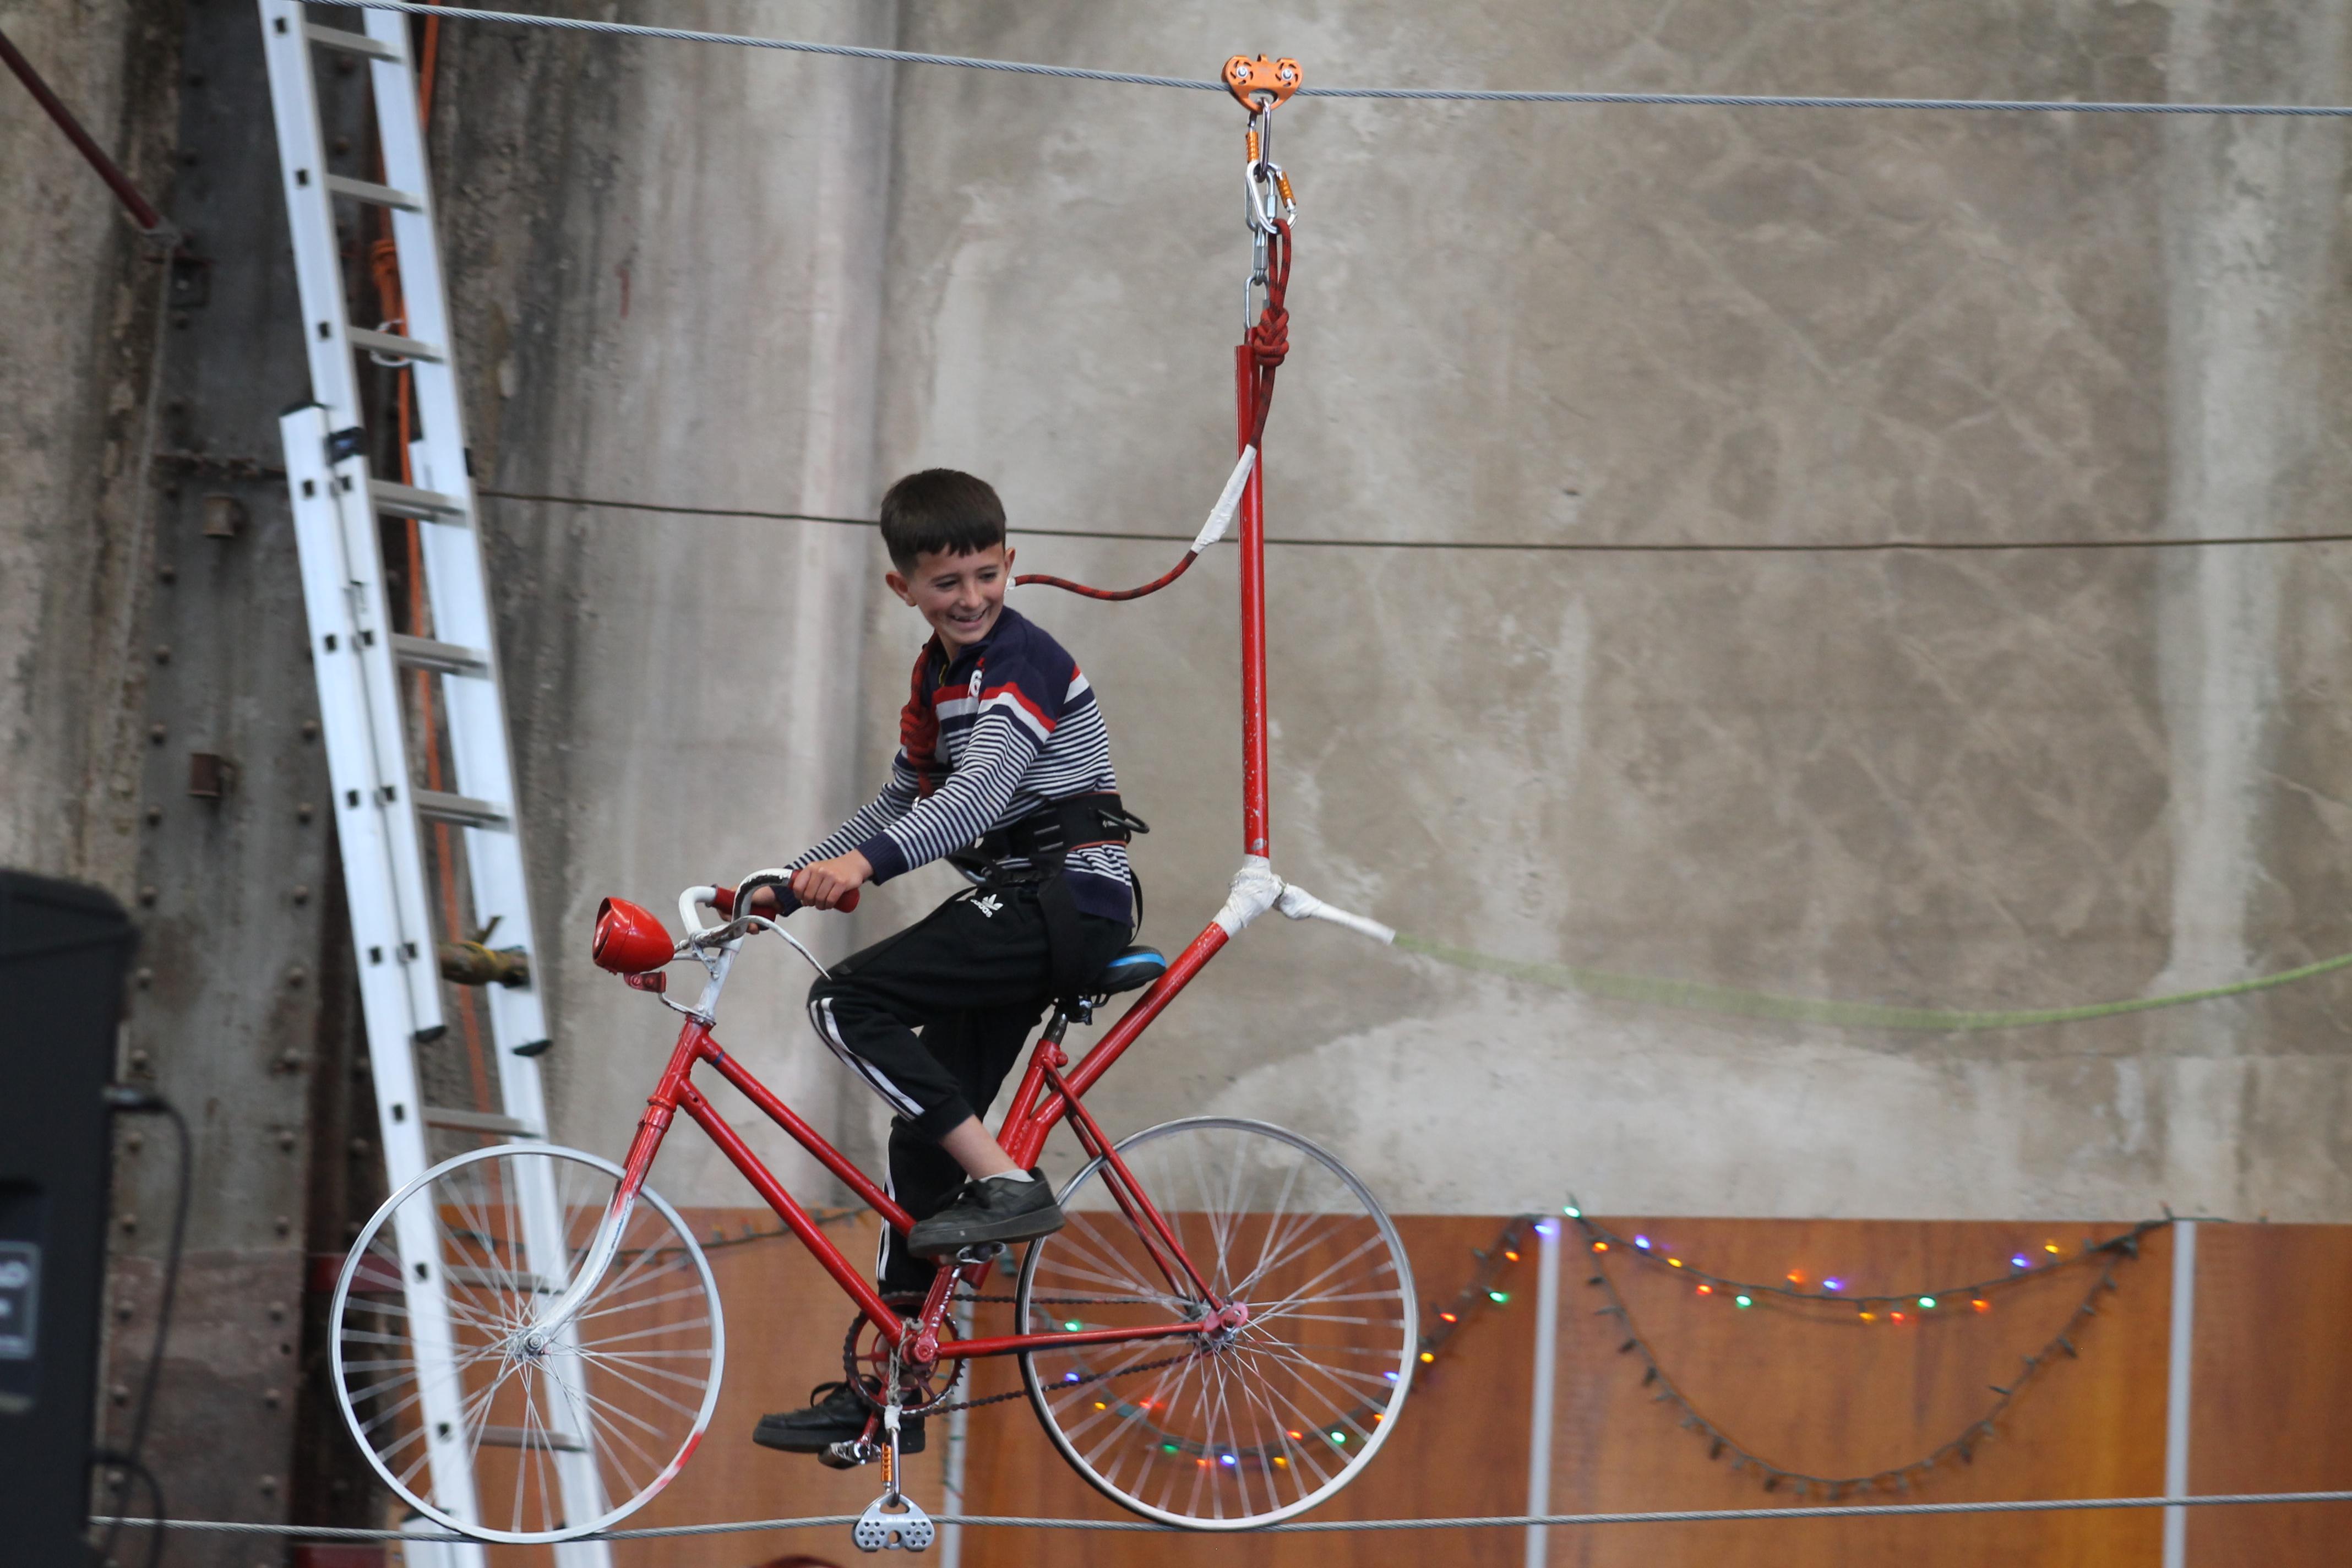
point(1222, 1431)
point(476, 1420)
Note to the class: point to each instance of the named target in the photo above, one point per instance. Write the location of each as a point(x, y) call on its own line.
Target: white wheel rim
point(1305, 1393)
point(626, 1372)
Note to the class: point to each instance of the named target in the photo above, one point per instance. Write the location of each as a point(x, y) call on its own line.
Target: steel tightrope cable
point(1335, 1526)
point(1399, 94)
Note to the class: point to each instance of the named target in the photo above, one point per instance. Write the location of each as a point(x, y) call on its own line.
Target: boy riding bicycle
point(1004, 767)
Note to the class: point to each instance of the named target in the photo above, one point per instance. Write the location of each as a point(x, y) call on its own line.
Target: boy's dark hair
point(942, 510)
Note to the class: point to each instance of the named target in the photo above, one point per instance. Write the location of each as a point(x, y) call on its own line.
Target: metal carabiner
point(1267, 194)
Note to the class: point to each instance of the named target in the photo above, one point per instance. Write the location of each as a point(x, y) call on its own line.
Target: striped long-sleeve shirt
point(1003, 728)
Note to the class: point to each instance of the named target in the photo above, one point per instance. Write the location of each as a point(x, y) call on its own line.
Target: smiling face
point(961, 594)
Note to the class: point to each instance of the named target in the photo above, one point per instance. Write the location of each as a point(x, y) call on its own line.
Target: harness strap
point(1045, 838)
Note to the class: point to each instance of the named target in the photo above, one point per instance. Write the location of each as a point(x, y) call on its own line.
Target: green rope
point(1700, 996)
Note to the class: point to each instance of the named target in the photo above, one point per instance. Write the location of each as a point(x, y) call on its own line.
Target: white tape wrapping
point(1220, 516)
point(1254, 890)
point(1301, 905)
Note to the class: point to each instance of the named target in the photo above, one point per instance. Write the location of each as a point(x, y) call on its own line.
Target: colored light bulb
point(1796, 1277)
point(1673, 1263)
point(1981, 1305)
point(1744, 1300)
point(1707, 1289)
point(1832, 1285)
point(2020, 1260)
point(1427, 1357)
point(1572, 1212)
point(1643, 1242)
point(1339, 1437)
point(1926, 1303)
point(1509, 1255)
point(1546, 1228)
point(1449, 1317)
point(2051, 1247)
point(1073, 1325)
point(1498, 1297)
point(1600, 1247)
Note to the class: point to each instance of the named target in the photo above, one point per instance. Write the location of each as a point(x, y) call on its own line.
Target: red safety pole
point(143, 212)
point(1254, 771)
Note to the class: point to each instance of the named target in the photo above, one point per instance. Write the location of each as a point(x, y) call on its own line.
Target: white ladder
point(336, 508)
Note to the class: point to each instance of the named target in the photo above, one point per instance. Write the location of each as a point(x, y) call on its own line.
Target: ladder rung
point(496, 1280)
point(449, 657)
point(348, 42)
point(407, 501)
point(477, 1121)
point(463, 810)
point(369, 191)
point(529, 1437)
point(393, 344)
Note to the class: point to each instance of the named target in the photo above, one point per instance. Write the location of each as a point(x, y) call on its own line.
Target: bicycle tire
point(1325, 1397)
point(424, 1409)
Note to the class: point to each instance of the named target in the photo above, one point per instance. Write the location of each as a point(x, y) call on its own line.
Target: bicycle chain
point(1081, 1382)
point(858, 1377)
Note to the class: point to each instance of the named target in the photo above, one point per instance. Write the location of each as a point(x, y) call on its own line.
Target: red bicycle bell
point(629, 939)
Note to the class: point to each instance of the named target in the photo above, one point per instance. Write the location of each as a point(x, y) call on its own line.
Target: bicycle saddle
point(1134, 968)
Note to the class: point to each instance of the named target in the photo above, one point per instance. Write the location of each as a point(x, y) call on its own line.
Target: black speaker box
point(63, 948)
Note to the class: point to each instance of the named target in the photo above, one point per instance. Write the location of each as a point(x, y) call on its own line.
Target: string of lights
point(1895, 1306)
point(1483, 1291)
point(1894, 1309)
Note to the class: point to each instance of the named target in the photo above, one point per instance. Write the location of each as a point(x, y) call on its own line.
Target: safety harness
point(1046, 839)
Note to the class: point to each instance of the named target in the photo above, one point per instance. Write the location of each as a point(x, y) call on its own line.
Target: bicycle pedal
point(849, 1456)
point(886, 1528)
point(986, 1252)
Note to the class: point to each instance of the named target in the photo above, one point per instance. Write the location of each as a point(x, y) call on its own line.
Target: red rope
point(1269, 345)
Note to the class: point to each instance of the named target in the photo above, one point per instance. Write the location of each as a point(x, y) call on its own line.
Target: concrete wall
point(77, 325)
point(1990, 779)
point(664, 268)
point(1982, 780)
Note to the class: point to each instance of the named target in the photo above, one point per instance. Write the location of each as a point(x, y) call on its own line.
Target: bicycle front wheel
point(469, 1406)
point(1222, 1431)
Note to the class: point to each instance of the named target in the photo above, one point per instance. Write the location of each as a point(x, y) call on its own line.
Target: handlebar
point(723, 900)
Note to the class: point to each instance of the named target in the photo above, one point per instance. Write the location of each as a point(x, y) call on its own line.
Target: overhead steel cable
point(1408, 94)
point(1557, 546)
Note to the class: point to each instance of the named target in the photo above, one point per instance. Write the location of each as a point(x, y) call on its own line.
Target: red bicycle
point(1219, 1338)
point(528, 1342)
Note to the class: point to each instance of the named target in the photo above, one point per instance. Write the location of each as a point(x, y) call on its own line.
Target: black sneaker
point(986, 1211)
point(837, 1413)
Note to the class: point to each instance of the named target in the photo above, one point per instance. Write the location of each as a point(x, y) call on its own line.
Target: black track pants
point(974, 977)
